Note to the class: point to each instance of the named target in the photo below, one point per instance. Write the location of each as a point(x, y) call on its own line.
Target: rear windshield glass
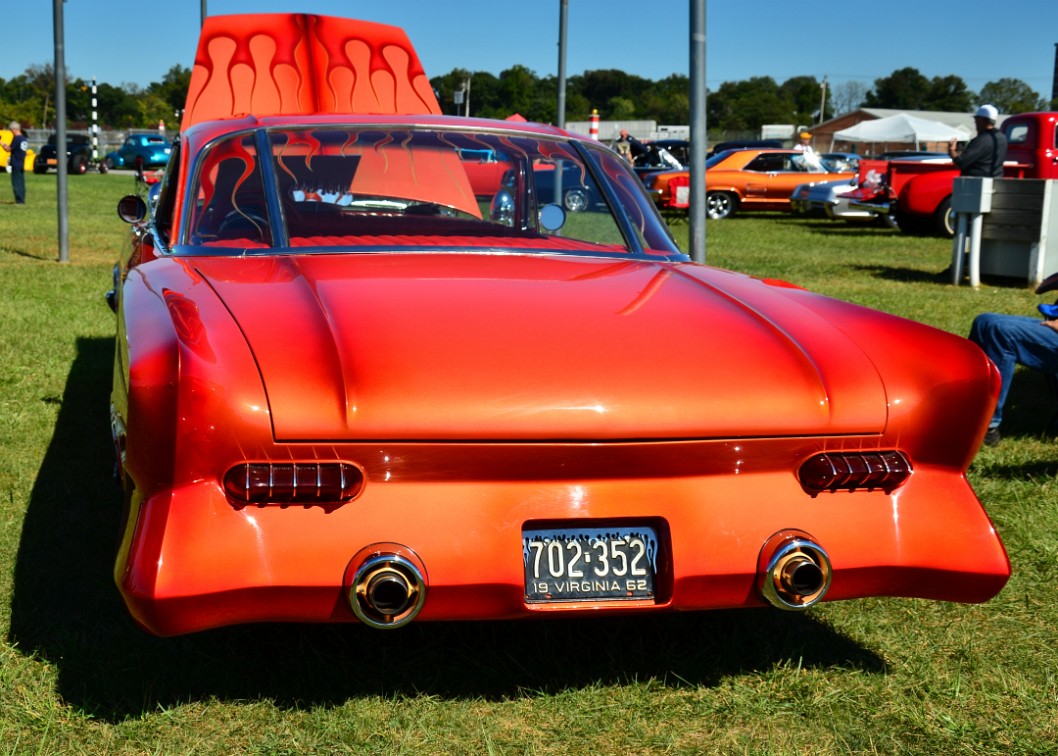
point(374, 188)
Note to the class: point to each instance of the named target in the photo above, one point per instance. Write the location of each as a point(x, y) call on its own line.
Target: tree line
point(29, 98)
point(747, 105)
point(617, 96)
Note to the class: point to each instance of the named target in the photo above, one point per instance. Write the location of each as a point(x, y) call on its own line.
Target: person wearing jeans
point(1011, 340)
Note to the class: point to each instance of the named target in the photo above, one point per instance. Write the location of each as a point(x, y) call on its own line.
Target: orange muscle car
point(749, 179)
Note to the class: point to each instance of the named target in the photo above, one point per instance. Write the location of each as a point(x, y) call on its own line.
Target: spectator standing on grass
point(985, 153)
point(17, 151)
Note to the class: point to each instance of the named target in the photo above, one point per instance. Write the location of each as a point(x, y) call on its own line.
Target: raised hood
point(448, 346)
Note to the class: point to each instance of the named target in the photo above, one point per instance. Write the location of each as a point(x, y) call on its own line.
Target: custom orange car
point(347, 389)
point(747, 179)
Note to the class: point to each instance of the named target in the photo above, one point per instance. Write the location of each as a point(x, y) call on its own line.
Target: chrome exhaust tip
point(795, 571)
point(387, 590)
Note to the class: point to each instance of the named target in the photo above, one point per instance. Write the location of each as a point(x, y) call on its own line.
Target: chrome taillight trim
point(292, 483)
point(854, 470)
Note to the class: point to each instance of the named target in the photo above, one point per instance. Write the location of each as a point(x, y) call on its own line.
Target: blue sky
point(859, 40)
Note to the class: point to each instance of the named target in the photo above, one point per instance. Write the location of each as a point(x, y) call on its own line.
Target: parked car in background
point(485, 169)
point(745, 144)
point(680, 149)
point(827, 198)
point(910, 154)
point(833, 198)
point(152, 148)
point(6, 136)
point(662, 155)
point(577, 192)
point(748, 179)
point(347, 389)
point(78, 155)
point(920, 194)
point(842, 161)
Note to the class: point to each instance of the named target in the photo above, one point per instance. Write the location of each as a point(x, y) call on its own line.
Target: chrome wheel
point(944, 218)
point(576, 200)
point(719, 205)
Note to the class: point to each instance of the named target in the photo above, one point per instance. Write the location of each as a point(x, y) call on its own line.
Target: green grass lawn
point(887, 676)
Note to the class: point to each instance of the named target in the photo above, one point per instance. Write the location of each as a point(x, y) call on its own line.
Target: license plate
point(589, 564)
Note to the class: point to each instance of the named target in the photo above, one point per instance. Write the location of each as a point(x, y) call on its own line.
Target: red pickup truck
point(918, 194)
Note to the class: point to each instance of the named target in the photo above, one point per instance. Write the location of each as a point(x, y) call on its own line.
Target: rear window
point(383, 188)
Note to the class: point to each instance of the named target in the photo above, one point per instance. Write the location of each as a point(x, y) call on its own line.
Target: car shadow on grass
point(66, 610)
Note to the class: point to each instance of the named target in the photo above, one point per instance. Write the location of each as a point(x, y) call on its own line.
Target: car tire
point(39, 171)
point(720, 205)
point(944, 218)
point(109, 163)
point(79, 166)
point(576, 200)
point(103, 167)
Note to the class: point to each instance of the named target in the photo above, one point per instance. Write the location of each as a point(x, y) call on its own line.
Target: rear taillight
point(284, 483)
point(850, 471)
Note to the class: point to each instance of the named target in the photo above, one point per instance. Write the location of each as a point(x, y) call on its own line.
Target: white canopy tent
point(900, 128)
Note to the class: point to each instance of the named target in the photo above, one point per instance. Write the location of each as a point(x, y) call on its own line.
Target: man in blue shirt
point(17, 161)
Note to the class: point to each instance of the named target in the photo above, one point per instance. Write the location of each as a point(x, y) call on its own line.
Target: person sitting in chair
point(1010, 340)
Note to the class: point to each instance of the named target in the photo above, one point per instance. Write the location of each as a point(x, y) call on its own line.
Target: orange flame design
point(295, 63)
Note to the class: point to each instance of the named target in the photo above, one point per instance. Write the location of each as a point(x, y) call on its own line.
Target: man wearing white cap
point(985, 153)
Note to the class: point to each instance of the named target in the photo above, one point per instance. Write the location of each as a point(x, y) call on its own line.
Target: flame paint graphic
point(295, 63)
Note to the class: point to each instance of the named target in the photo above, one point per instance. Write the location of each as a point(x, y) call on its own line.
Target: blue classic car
point(153, 148)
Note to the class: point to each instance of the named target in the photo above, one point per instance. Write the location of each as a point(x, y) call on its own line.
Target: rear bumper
point(843, 210)
point(878, 208)
point(193, 561)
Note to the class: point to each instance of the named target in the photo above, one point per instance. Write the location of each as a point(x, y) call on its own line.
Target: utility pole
point(60, 131)
point(823, 101)
point(563, 7)
point(696, 235)
point(1054, 81)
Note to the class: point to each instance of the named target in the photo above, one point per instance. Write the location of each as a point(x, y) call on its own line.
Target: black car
point(745, 144)
point(577, 191)
point(662, 155)
point(78, 155)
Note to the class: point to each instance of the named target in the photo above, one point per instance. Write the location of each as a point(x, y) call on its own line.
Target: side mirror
point(552, 217)
point(132, 208)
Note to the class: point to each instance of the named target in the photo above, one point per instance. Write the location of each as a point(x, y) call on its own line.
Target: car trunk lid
point(516, 347)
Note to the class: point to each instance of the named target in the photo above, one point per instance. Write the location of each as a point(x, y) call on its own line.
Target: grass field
point(888, 676)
